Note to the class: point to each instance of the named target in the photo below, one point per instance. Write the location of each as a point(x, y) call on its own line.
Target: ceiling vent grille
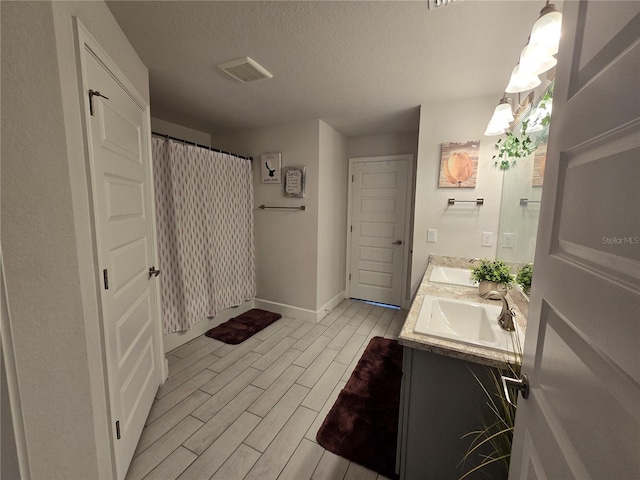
point(245, 70)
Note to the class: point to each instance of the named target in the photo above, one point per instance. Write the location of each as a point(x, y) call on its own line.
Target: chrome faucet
point(505, 319)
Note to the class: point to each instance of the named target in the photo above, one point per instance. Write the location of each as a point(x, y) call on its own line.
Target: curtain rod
point(169, 137)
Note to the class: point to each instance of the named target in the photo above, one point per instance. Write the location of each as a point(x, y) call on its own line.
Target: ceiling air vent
point(245, 70)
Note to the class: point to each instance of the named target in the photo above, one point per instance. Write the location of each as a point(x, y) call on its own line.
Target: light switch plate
point(432, 235)
point(508, 240)
point(487, 239)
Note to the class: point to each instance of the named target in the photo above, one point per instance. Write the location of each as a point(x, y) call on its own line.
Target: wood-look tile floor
point(252, 411)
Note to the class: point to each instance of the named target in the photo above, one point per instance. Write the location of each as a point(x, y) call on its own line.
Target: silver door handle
point(397, 242)
point(521, 384)
point(153, 272)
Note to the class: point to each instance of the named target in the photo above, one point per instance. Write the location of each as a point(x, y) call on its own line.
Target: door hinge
point(351, 178)
point(105, 276)
point(93, 93)
point(349, 276)
point(118, 430)
point(351, 228)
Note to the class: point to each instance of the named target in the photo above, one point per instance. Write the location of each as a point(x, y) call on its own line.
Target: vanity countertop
point(451, 348)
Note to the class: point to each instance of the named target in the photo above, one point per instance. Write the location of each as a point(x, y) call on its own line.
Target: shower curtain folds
point(204, 216)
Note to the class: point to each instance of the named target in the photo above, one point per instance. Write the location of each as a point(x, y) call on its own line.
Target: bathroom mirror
point(522, 187)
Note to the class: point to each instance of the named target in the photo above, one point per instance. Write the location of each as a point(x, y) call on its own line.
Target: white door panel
point(582, 417)
point(120, 171)
point(378, 216)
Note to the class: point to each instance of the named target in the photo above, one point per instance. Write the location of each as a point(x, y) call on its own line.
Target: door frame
point(86, 40)
point(409, 198)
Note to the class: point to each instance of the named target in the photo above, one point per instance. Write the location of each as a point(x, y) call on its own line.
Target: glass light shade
point(535, 60)
point(521, 82)
point(502, 114)
point(501, 118)
point(496, 127)
point(546, 31)
point(492, 130)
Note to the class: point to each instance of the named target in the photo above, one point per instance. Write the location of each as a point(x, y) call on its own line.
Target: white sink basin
point(452, 276)
point(467, 322)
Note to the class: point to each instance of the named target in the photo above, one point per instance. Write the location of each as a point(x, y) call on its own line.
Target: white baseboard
point(177, 339)
point(303, 313)
point(284, 309)
point(331, 304)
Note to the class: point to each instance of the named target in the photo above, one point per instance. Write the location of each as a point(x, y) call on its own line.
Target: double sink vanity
point(450, 337)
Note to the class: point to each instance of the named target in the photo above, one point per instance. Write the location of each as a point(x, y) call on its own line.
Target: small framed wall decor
point(294, 179)
point(271, 167)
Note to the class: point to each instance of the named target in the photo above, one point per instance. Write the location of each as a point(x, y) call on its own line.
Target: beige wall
point(300, 256)
point(178, 131)
point(379, 145)
point(459, 226)
point(309, 283)
point(46, 236)
point(286, 240)
point(332, 214)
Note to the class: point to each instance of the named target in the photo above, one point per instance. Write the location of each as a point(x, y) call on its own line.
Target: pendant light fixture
point(536, 58)
point(502, 117)
point(545, 33)
point(521, 81)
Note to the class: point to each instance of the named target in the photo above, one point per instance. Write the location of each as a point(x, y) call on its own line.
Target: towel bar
point(477, 201)
point(301, 207)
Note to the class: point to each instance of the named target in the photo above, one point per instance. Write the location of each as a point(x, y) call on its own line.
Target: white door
point(120, 172)
point(378, 219)
point(582, 355)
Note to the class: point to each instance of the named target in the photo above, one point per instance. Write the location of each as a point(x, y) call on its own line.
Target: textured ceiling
point(363, 67)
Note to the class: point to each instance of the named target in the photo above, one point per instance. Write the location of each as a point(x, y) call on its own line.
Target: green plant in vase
point(524, 277)
point(513, 148)
point(492, 275)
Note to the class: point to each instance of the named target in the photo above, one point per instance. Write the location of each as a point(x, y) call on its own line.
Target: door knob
point(397, 242)
point(521, 384)
point(153, 272)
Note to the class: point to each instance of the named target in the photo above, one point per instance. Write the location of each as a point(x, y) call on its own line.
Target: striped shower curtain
point(204, 216)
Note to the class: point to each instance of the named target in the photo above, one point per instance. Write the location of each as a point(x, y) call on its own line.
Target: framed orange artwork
point(459, 164)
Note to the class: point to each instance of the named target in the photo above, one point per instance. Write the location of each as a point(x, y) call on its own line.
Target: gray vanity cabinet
point(441, 401)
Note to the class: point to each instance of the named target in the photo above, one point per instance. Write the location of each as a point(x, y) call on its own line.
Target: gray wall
point(286, 240)
point(47, 236)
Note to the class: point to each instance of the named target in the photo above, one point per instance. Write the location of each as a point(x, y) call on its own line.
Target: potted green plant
point(492, 275)
point(524, 277)
point(490, 448)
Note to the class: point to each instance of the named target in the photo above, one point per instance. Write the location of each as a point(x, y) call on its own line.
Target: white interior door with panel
point(582, 416)
point(119, 157)
point(378, 251)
